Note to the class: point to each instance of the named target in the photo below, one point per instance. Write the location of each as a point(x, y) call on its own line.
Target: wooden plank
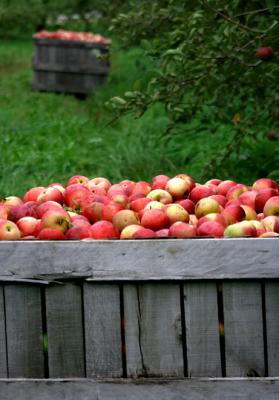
point(243, 321)
point(3, 349)
point(272, 326)
point(123, 260)
point(65, 331)
point(188, 389)
point(24, 331)
point(202, 329)
point(102, 330)
point(153, 331)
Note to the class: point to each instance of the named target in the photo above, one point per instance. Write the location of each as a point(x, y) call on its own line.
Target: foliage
point(205, 67)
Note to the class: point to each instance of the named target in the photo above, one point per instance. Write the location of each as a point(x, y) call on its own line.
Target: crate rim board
point(71, 43)
point(140, 260)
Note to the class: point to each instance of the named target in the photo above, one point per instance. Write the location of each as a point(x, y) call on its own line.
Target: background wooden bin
point(140, 320)
point(69, 66)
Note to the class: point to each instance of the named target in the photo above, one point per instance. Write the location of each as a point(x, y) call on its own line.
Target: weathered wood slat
point(202, 329)
point(272, 326)
point(162, 260)
point(153, 331)
point(244, 342)
point(3, 350)
point(24, 331)
point(188, 389)
point(65, 331)
point(102, 330)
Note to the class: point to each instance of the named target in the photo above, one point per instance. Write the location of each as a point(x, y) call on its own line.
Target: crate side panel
point(65, 331)
point(153, 331)
point(202, 329)
point(3, 350)
point(102, 330)
point(24, 331)
point(243, 322)
point(272, 326)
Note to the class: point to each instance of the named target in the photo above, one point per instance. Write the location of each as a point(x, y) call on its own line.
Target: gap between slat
point(222, 338)
point(83, 328)
point(183, 329)
point(122, 331)
point(264, 329)
point(44, 332)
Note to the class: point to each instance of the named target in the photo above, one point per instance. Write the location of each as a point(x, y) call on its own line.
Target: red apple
point(262, 196)
point(127, 233)
point(50, 194)
point(33, 193)
point(162, 233)
point(159, 181)
point(233, 214)
point(104, 230)
point(199, 192)
point(93, 211)
point(100, 181)
point(9, 230)
point(144, 233)
point(265, 53)
point(128, 186)
point(239, 229)
point(56, 218)
point(155, 219)
point(187, 204)
point(11, 201)
point(139, 204)
point(222, 200)
point(224, 186)
point(78, 232)
point(48, 205)
point(236, 191)
point(51, 234)
point(109, 210)
point(217, 217)
point(182, 230)
point(248, 198)
point(77, 179)
point(28, 226)
point(142, 187)
point(264, 183)
point(75, 194)
point(211, 229)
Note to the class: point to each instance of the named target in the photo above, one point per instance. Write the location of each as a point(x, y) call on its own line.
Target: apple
point(128, 186)
point(177, 187)
point(142, 187)
point(79, 220)
point(264, 183)
point(233, 214)
point(104, 230)
point(28, 226)
point(78, 232)
point(101, 182)
point(124, 218)
point(188, 179)
point(269, 222)
point(109, 210)
point(75, 194)
point(144, 233)
point(187, 204)
point(269, 234)
point(199, 192)
point(136, 196)
point(58, 186)
point(56, 218)
point(17, 212)
point(235, 191)
point(250, 213)
point(206, 206)
point(155, 219)
point(154, 204)
point(119, 198)
point(181, 230)
point(222, 200)
point(93, 211)
point(139, 204)
point(162, 233)
point(33, 193)
point(217, 217)
point(224, 186)
point(127, 233)
point(48, 205)
point(160, 195)
point(271, 207)
point(96, 189)
point(11, 201)
point(9, 230)
point(211, 228)
point(175, 212)
point(239, 229)
point(51, 234)
point(50, 193)
point(265, 53)
point(77, 179)
point(248, 198)
point(4, 210)
point(159, 182)
point(262, 196)
point(213, 181)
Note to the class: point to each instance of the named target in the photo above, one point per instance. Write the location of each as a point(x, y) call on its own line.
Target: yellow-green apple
point(51, 234)
point(206, 206)
point(250, 213)
point(9, 230)
point(28, 226)
point(269, 234)
point(142, 187)
point(33, 193)
point(199, 192)
point(175, 212)
point(235, 191)
point(224, 186)
point(160, 195)
point(154, 204)
point(77, 179)
point(269, 222)
point(144, 233)
point(124, 218)
point(211, 229)
point(159, 182)
point(104, 230)
point(217, 217)
point(127, 233)
point(78, 232)
point(262, 196)
point(187, 178)
point(177, 187)
point(50, 194)
point(155, 219)
point(264, 183)
point(239, 229)
point(181, 230)
point(260, 227)
point(48, 205)
point(57, 219)
point(233, 214)
point(189, 205)
point(162, 233)
point(139, 204)
point(271, 207)
point(109, 210)
point(100, 181)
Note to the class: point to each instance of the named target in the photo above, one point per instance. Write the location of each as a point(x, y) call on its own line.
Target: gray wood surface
point(153, 331)
point(191, 389)
point(24, 331)
point(142, 260)
point(102, 330)
point(272, 326)
point(3, 352)
point(65, 331)
point(202, 329)
point(243, 320)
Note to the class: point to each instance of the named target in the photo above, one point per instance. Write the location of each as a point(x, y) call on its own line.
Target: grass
point(48, 137)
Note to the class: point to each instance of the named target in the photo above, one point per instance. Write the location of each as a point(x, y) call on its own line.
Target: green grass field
point(49, 137)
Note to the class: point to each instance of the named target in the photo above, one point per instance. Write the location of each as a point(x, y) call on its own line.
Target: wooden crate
point(140, 319)
point(69, 66)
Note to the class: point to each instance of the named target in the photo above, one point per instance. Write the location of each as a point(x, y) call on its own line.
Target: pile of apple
point(179, 207)
point(74, 36)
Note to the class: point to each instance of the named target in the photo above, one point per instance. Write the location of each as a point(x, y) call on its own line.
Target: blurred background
point(187, 92)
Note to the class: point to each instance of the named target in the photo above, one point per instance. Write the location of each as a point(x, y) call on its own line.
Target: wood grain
point(3, 350)
point(272, 326)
